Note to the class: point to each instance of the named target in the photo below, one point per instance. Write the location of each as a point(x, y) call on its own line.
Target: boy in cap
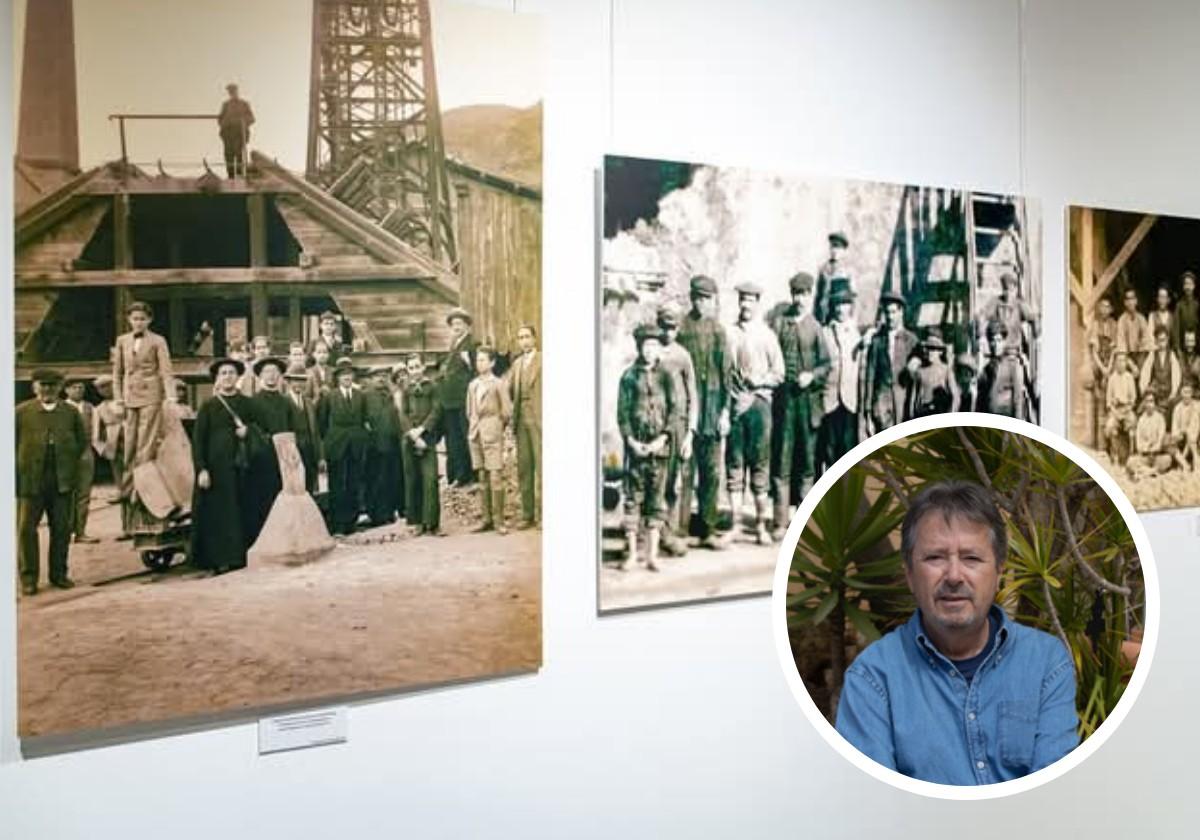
point(420, 419)
point(839, 426)
point(384, 486)
point(143, 381)
point(1185, 428)
point(458, 367)
point(50, 440)
point(932, 388)
point(708, 346)
point(888, 352)
point(342, 416)
point(1151, 454)
point(1102, 343)
point(489, 409)
point(798, 402)
point(648, 410)
point(87, 460)
point(757, 369)
point(677, 361)
point(1120, 401)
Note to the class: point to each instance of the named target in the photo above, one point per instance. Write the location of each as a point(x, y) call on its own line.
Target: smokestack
point(48, 135)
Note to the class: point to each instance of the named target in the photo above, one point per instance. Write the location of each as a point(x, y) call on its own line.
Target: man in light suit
point(839, 427)
point(525, 384)
point(50, 439)
point(87, 460)
point(143, 381)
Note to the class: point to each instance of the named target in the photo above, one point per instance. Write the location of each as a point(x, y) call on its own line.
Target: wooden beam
point(177, 315)
point(168, 185)
point(260, 320)
point(1087, 258)
point(121, 299)
point(37, 278)
point(256, 209)
point(1079, 293)
point(122, 235)
point(1122, 257)
point(295, 329)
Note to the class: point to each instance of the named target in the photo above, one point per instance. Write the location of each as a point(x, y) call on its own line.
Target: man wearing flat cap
point(677, 361)
point(757, 369)
point(832, 267)
point(708, 346)
point(798, 401)
point(50, 439)
point(457, 369)
point(233, 124)
point(888, 353)
point(839, 427)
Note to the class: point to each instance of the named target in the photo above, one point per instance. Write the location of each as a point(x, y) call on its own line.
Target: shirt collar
point(916, 632)
point(48, 407)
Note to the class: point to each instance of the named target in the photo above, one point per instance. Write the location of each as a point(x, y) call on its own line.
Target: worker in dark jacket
point(304, 424)
point(706, 341)
point(420, 416)
point(458, 368)
point(383, 501)
point(799, 402)
point(888, 353)
point(342, 416)
point(50, 441)
point(233, 124)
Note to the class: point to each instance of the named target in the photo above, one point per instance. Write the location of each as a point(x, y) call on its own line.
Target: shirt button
point(970, 716)
point(980, 764)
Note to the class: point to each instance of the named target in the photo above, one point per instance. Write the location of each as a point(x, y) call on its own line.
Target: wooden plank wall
point(500, 249)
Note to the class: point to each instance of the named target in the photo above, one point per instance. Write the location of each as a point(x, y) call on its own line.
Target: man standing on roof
point(234, 123)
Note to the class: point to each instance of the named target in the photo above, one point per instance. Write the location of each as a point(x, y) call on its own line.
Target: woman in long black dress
point(219, 510)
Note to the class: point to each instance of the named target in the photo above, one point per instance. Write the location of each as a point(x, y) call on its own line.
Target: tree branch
point(1095, 577)
point(984, 478)
point(1058, 628)
point(888, 477)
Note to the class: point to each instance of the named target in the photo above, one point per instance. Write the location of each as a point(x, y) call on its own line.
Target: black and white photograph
point(1134, 379)
point(754, 327)
point(277, 306)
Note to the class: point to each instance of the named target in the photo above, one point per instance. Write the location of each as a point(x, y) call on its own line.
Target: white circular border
point(779, 607)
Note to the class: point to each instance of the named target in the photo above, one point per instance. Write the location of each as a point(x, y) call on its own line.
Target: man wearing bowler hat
point(832, 268)
point(798, 401)
point(757, 369)
point(708, 345)
point(888, 353)
point(458, 368)
point(50, 439)
point(932, 387)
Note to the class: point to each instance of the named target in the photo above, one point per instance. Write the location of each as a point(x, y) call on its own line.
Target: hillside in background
point(500, 139)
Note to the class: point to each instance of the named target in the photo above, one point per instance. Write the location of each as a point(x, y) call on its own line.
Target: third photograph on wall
point(754, 327)
point(1135, 371)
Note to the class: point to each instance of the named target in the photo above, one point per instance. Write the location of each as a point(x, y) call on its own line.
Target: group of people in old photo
point(1145, 375)
point(287, 452)
point(763, 405)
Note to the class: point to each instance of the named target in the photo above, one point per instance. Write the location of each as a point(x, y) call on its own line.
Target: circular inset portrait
point(965, 605)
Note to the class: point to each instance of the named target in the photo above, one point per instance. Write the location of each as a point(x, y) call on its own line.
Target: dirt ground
point(382, 611)
point(744, 568)
point(1174, 489)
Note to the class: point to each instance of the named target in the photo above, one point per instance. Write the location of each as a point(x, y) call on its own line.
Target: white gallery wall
point(678, 722)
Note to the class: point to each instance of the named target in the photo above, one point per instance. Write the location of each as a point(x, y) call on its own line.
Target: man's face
point(669, 335)
point(75, 392)
point(321, 353)
point(329, 328)
point(105, 391)
point(1160, 341)
point(458, 327)
point(1189, 341)
point(843, 311)
point(1185, 394)
point(1131, 302)
point(836, 251)
point(1163, 299)
point(747, 307)
point(138, 321)
point(296, 356)
point(47, 392)
point(227, 376)
point(262, 349)
point(525, 339)
point(1104, 309)
point(1123, 363)
point(802, 301)
point(270, 376)
point(895, 316)
point(1008, 288)
point(415, 368)
point(345, 379)
point(705, 305)
point(1189, 286)
point(483, 363)
point(954, 576)
point(996, 343)
point(1148, 403)
point(380, 381)
point(296, 386)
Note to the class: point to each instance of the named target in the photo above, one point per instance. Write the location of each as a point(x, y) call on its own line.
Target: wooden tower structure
point(374, 129)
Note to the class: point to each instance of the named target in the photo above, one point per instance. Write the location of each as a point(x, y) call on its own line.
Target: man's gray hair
point(954, 498)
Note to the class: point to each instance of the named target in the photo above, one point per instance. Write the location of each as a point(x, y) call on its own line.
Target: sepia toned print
point(1134, 378)
point(755, 327)
point(277, 364)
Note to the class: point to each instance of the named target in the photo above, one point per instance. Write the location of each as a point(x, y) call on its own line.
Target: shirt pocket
point(1018, 730)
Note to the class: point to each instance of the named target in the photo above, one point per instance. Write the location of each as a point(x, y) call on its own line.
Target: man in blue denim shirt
point(961, 694)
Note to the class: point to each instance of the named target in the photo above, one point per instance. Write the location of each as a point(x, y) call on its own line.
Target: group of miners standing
point(780, 398)
point(1145, 372)
point(366, 439)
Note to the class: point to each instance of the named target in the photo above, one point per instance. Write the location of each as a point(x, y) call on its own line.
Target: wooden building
point(221, 261)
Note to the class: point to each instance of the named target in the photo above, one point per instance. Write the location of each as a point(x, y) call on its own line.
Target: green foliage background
point(1072, 568)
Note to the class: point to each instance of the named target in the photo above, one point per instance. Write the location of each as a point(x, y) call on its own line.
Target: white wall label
point(307, 729)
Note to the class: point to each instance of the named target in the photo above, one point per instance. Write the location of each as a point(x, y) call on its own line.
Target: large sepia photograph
point(754, 327)
point(1134, 378)
point(277, 304)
